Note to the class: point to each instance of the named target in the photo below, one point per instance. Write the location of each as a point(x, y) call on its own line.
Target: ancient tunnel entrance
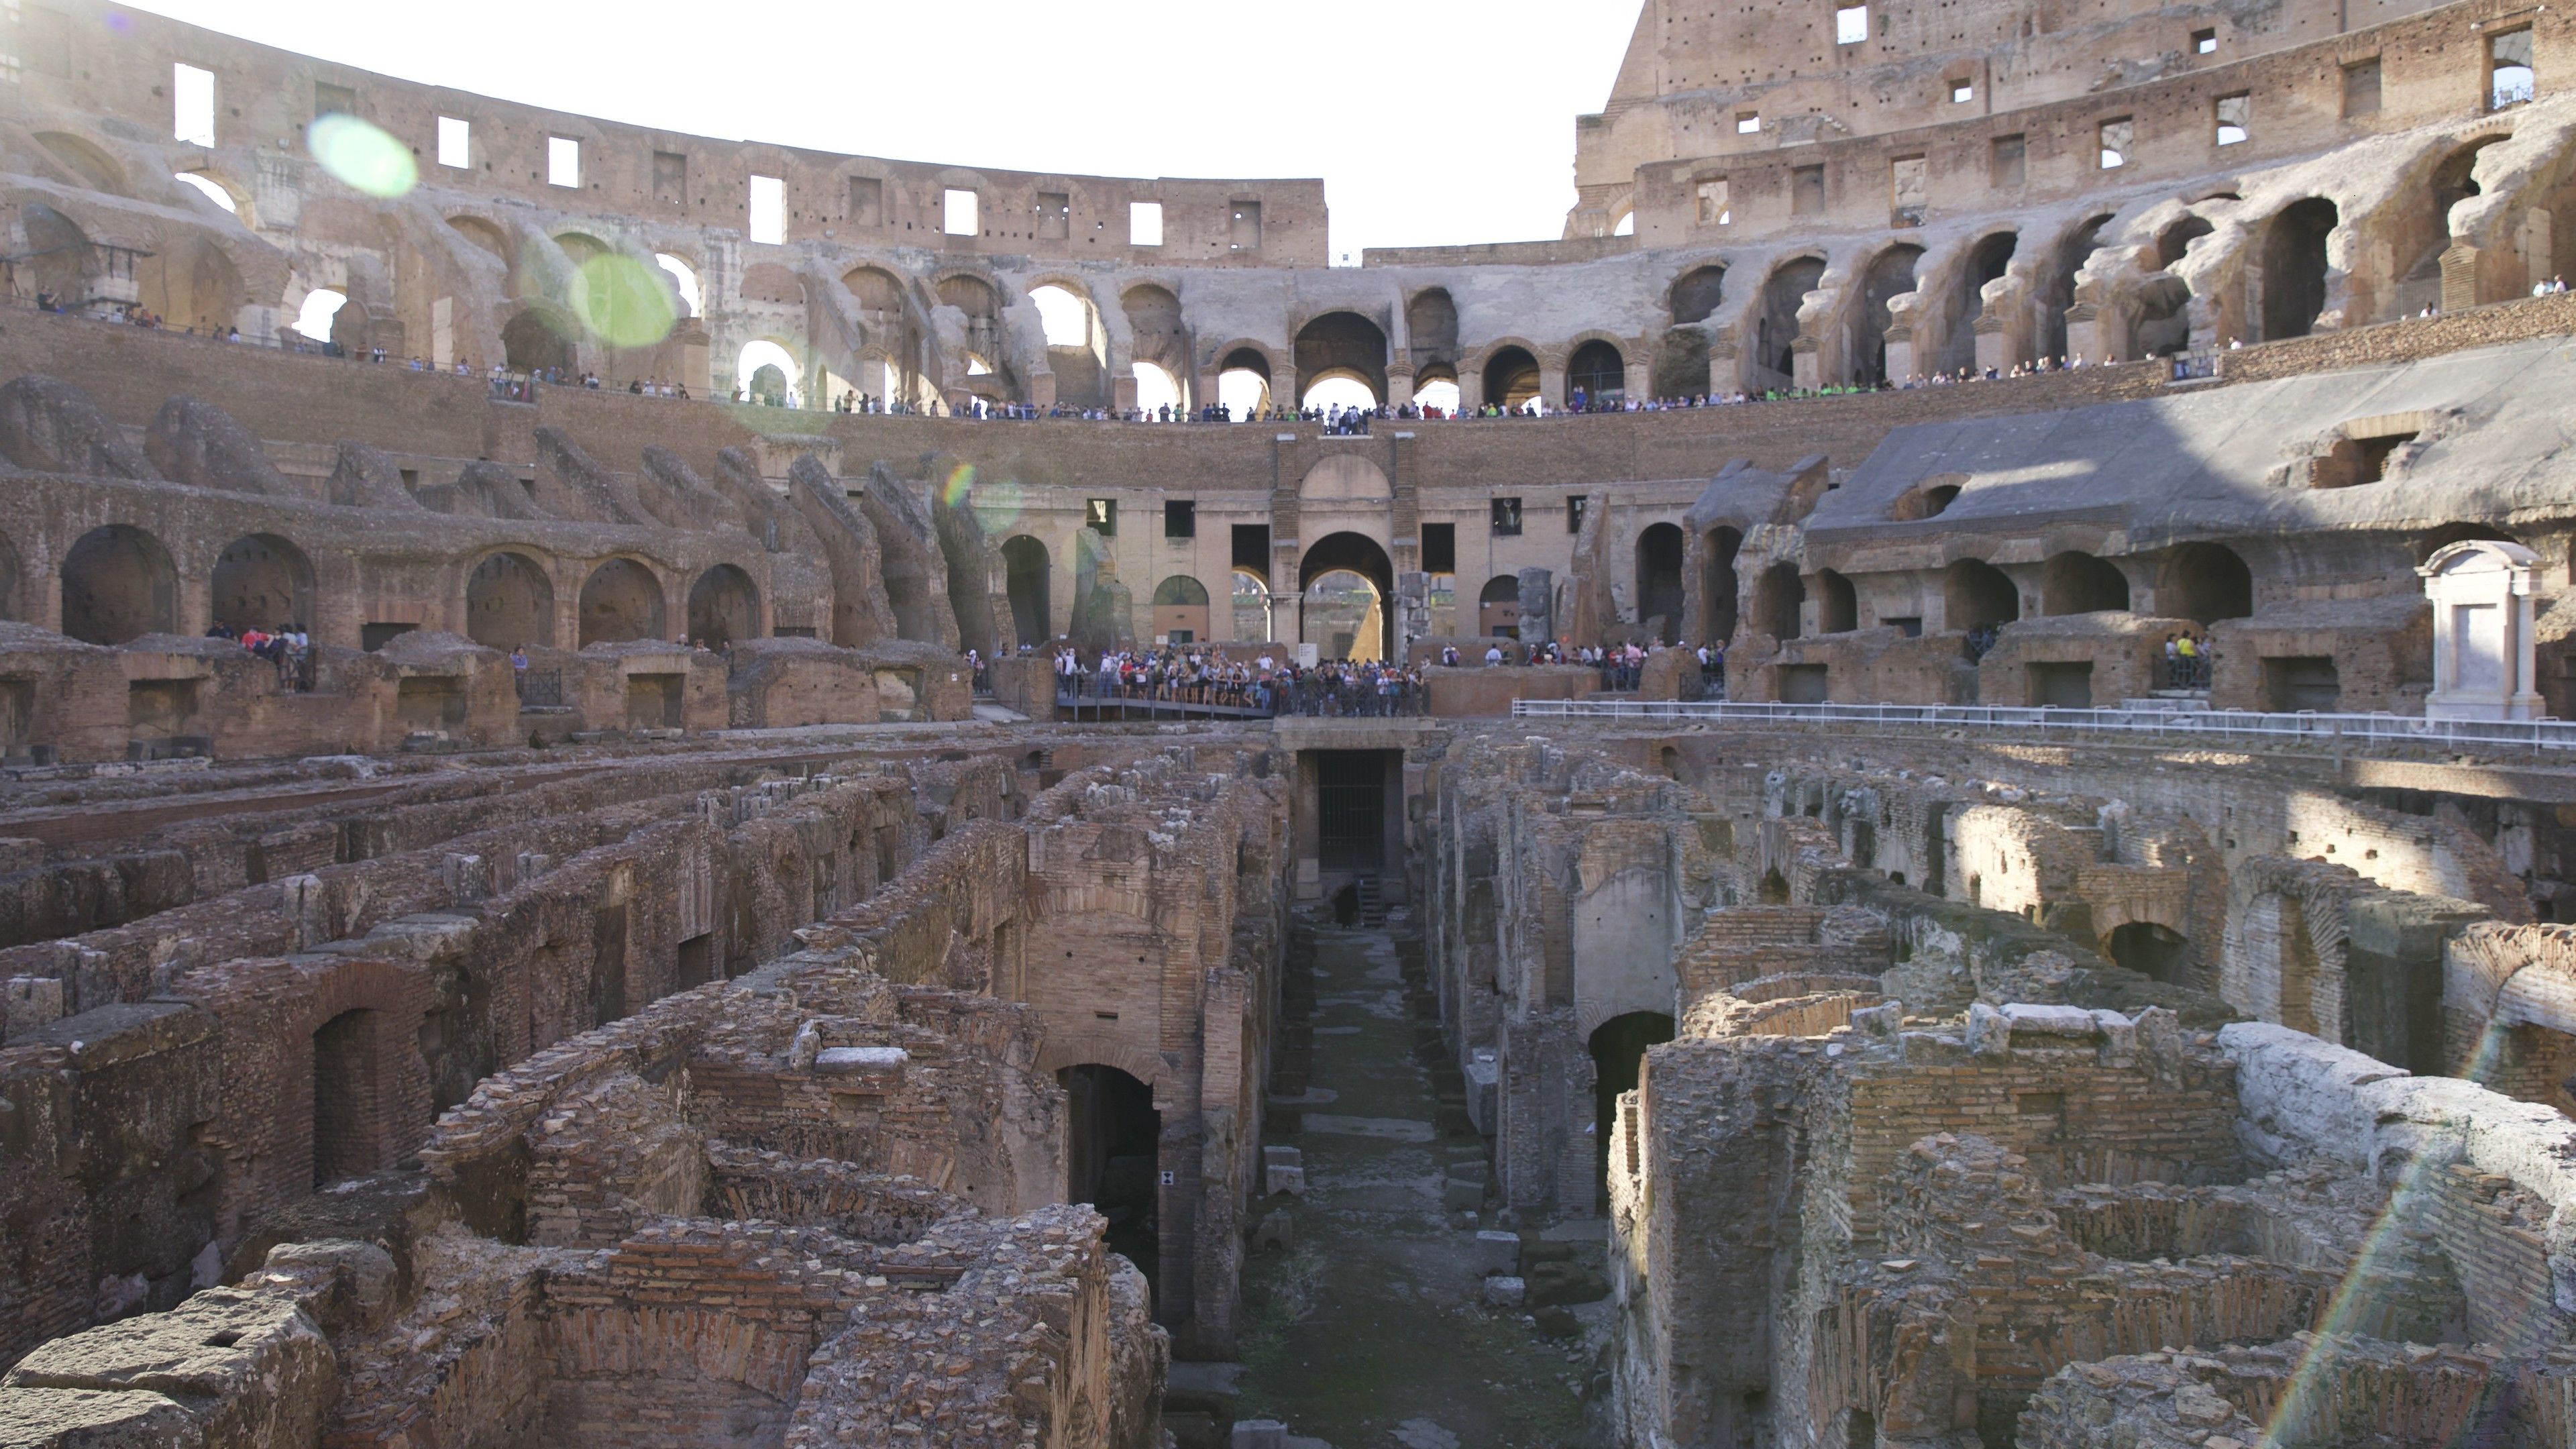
point(1659, 581)
point(1350, 810)
point(344, 1098)
point(509, 602)
point(263, 582)
point(1113, 1136)
point(2295, 267)
point(1026, 564)
point(1618, 1055)
point(2152, 950)
point(118, 585)
point(724, 605)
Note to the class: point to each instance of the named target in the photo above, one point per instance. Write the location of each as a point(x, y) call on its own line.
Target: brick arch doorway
point(1359, 554)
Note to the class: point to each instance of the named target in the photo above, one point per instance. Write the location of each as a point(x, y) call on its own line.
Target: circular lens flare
point(362, 157)
point(622, 301)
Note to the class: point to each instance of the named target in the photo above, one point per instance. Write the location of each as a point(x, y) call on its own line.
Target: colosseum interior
point(670, 960)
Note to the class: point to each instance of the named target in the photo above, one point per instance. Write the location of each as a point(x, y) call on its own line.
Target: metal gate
point(1351, 811)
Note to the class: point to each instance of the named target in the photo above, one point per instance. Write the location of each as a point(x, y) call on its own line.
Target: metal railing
point(2362, 730)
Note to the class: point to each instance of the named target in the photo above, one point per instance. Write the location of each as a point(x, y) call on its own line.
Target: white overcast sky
point(1431, 121)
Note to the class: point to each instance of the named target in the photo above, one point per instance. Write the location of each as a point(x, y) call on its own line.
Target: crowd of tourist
point(1263, 684)
point(2187, 658)
point(287, 647)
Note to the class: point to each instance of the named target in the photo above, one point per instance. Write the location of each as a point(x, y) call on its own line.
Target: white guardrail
point(2362, 730)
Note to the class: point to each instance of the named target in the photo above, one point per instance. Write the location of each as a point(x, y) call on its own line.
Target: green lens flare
point(623, 302)
point(364, 157)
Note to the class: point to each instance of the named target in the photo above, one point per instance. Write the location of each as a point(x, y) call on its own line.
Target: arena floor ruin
point(657, 954)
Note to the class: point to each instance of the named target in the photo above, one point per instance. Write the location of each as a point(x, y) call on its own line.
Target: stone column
point(1399, 384)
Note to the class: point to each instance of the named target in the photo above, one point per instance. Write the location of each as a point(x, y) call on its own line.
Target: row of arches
point(2202, 582)
point(119, 583)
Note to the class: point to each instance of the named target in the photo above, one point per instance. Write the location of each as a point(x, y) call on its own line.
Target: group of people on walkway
point(287, 647)
point(1263, 684)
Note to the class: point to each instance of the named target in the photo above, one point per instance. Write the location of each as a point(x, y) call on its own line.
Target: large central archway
point(1353, 553)
point(1345, 343)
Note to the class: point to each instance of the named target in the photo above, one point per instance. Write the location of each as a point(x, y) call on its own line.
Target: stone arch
point(1837, 603)
point(1775, 325)
point(193, 283)
point(1431, 328)
point(118, 584)
point(2284, 954)
point(509, 601)
point(970, 293)
point(1027, 570)
point(1362, 555)
point(2153, 950)
point(348, 1097)
point(1618, 1049)
point(1599, 371)
point(2074, 582)
point(2204, 582)
point(1977, 595)
point(2296, 271)
point(534, 341)
point(1152, 311)
point(1719, 585)
point(2073, 250)
point(1511, 376)
point(1343, 342)
point(724, 607)
point(1779, 602)
point(1181, 608)
point(1498, 607)
point(621, 600)
point(1696, 294)
point(2433, 541)
point(1890, 275)
point(58, 260)
point(87, 160)
point(875, 288)
point(1344, 482)
point(1987, 260)
point(1659, 581)
point(262, 581)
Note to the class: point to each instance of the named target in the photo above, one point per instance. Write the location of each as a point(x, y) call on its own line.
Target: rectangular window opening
point(1806, 190)
point(2204, 42)
point(563, 161)
point(867, 201)
point(2233, 112)
point(958, 213)
point(455, 143)
point(2361, 88)
point(1145, 223)
point(1909, 190)
point(192, 93)
point(2116, 138)
point(1574, 515)
point(2510, 76)
point(1100, 515)
point(1440, 548)
point(1251, 547)
point(671, 178)
point(1180, 519)
point(1713, 207)
point(1748, 123)
point(1246, 226)
point(1055, 216)
point(2006, 168)
point(769, 210)
point(1962, 92)
point(331, 100)
point(1507, 518)
point(1851, 24)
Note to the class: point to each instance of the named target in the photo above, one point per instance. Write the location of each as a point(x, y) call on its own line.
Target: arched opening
point(1659, 581)
point(1977, 595)
point(1064, 315)
point(1776, 329)
point(1438, 396)
point(2454, 181)
point(530, 344)
point(1431, 325)
point(768, 375)
point(1026, 569)
point(2205, 582)
point(1113, 1151)
point(1344, 344)
point(482, 233)
point(1251, 607)
point(1155, 389)
point(1988, 260)
point(1774, 889)
point(621, 600)
point(321, 306)
point(1695, 297)
point(1243, 384)
point(1618, 1060)
point(1837, 603)
point(2174, 242)
point(509, 601)
point(2294, 267)
point(1511, 379)
point(684, 283)
point(1891, 275)
point(2079, 583)
point(1779, 601)
point(724, 606)
point(1345, 616)
point(1921, 503)
point(262, 582)
point(119, 585)
point(1498, 608)
point(347, 1116)
point(1718, 585)
point(2433, 541)
point(96, 169)
point(1181, 610)
point(1597, 376)
point(971, 295)
point(57, 261)
point(2151, 951)
point(192, 283)
point(2072, 253)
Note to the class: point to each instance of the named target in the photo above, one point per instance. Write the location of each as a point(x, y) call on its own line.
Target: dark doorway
point(1026, 563)
point(1511, 379)
point(1990, 259)
point(2152, 951)
point(2079, 583)
point(724, 605)
point(1776, 327)
point(1113, 1143)
point(1350, 811)
point(1977, 595)
point(1618, 1055)
point(345, 1110)
point(1718, 585)
point(1659, 581)
point(2205, 582)
point(1599, 373)
point(1780, 602)
point(1891, 275)
point(2294, 267)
